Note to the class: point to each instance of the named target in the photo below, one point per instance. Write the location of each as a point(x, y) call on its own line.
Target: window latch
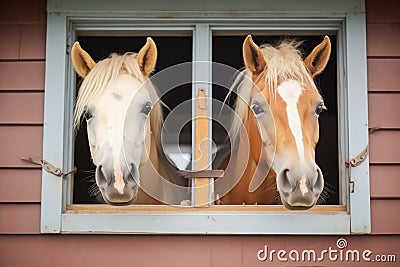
point(201, 174)
point(360, 158)
point(49, 167)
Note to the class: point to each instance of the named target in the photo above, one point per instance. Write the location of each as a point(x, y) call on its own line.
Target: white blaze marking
point(115, 138)
point(303, 186)
point(290, 92)
point(119, 182)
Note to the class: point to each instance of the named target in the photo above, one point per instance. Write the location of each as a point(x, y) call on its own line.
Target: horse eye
point(321, 107)
point(87, 115)
point(256, 107)
point(146, 108)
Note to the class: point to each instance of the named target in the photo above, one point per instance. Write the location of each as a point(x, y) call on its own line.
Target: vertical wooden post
point(202, 151)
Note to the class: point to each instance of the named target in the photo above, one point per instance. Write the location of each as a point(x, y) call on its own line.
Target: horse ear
point(319, 57)
point(82, 61)
point(147, 57)
point(252, 56)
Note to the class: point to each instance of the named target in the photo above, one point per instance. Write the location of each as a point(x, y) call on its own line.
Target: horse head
point(117, 101)
point(283, 112)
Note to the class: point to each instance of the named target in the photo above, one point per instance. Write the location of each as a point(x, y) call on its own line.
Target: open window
point(100, 47)
point(198, 40)
point(227, 49)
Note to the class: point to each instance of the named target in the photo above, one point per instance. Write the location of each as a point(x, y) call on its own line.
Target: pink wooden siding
point(385, 182)
point(385, 215)
point(17, 108)
point(383, 31)
point(22, 65)
point(177, 251)
point(388, 107)
point(23, 185)
point(22, 75)
point(20, 218)
point(23, 41)
point(20, 141)
point(383, 37)
point(384, 147)
point(23, 12)
point(383, 74)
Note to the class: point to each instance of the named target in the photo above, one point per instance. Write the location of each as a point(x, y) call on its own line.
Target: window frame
point(345, 17)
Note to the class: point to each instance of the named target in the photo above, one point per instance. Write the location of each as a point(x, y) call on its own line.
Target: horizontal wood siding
point(385, 11)
point(20, 185)
point(9, 45)
point(23, 12)
point(384, 148)
point(383, 37)
point(22, 68)
point(33, 42)
point(385, 216)
point(383, 74)
point(20, 141)
point(23, 42)
point(383, 31)
point(181, 251)
point(21, 108)
point(22, 28)
point(22, 76)
point(385, 182)
point(388, 107)
point(20, 218)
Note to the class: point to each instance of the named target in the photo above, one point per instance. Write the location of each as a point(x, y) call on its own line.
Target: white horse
point(124, 121)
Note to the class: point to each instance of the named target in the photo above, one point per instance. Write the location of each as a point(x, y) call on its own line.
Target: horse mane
point(108, 70)
point(283, 62)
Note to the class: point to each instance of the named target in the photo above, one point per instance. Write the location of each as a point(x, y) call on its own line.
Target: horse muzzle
point(300, 190)
point(118, 187)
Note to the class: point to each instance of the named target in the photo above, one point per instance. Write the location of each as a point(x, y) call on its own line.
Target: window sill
point(238, 220)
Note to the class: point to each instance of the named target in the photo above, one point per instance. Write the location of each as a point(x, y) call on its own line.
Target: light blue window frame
point(346, 18)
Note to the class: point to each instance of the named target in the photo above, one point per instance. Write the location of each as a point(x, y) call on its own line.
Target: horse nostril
point(319, 183)
point(134, 174)
point(100, 175)
point(283, 181)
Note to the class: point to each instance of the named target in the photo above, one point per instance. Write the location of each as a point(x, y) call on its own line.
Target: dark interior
point(173, 50)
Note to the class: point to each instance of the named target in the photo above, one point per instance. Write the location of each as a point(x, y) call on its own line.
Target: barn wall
point(22, 68)
point(383, 51)
point(22, 63)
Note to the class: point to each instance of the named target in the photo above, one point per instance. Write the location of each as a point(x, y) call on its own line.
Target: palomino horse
point(124, 120)
point(278, 109)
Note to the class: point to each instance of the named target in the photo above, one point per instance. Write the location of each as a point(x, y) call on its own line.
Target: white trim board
point(346, 18)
